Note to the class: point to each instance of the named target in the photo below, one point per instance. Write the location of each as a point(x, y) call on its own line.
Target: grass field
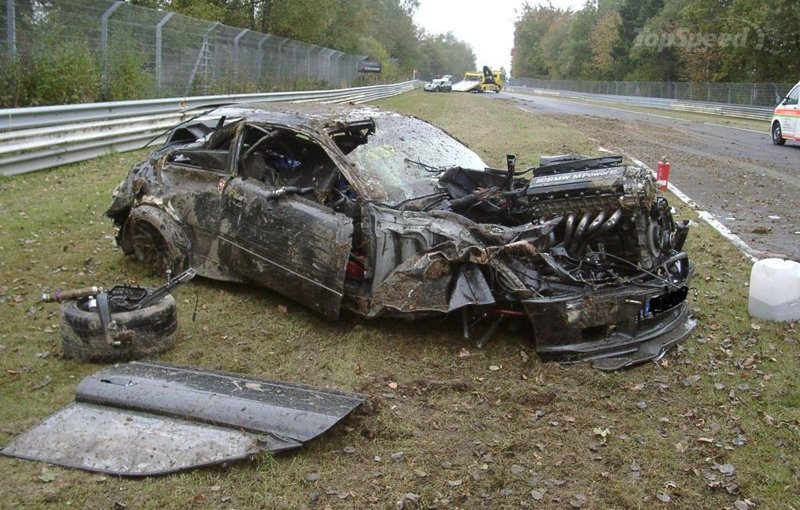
point(715, 423)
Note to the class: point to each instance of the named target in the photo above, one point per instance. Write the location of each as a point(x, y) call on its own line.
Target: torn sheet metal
point(144, 419)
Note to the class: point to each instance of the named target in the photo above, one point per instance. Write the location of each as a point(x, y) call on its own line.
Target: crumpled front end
point(615, 329)
point(587, 250)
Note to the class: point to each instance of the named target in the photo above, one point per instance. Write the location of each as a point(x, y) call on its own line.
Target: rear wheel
point(777, 134)
point(156, 240)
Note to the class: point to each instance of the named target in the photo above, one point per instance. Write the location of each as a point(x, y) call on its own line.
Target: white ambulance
point(786, 119)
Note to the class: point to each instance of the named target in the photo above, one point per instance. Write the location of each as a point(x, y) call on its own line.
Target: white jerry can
point(775, 290)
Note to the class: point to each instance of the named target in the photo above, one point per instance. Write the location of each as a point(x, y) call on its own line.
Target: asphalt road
point(750, 185)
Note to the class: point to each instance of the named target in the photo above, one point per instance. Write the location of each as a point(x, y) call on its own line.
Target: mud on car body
point(386, 215)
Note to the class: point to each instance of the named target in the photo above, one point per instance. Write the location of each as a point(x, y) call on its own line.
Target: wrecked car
point(386, 215)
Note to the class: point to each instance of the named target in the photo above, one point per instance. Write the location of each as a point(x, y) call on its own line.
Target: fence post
point(160, 26)
point(328, 54)
point(308, 60)
point(200, 54)
point(261, 55)
point(104, 42)
point(236, 55)
point(11, 28)
point(340, 76)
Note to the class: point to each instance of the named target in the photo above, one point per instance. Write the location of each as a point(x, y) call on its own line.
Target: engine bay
point(611, 227)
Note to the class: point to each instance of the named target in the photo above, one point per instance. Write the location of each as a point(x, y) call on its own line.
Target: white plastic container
point(775, 290)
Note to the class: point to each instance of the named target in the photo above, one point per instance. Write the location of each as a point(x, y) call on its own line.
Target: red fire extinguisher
point(662, 174)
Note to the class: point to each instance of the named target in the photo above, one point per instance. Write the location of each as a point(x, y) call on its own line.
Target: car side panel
point(290, 244)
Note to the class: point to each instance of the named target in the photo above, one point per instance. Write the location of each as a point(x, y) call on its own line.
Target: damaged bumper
point(615, 329)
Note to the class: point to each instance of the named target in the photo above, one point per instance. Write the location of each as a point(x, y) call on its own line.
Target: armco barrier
point(44, 137)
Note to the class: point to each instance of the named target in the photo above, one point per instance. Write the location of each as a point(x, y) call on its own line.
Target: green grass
point(529, 425)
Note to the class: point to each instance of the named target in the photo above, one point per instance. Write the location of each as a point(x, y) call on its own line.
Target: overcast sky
point(487, 25)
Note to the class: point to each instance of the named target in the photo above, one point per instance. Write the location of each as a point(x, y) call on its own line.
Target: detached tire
point(138, 333)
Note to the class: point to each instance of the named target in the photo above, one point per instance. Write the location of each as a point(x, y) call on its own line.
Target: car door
point(193, 176)
point(286, 242)
point(789, 113)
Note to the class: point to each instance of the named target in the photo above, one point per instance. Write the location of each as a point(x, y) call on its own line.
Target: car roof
point(317, 116)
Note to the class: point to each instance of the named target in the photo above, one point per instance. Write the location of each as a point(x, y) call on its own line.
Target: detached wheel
point(777, 134)
point(136, 334)
point(156, 240)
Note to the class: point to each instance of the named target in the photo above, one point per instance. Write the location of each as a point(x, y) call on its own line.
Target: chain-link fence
point(752, 94)
point(61, 51)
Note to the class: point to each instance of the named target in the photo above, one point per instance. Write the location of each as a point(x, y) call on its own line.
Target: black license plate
point(665, 302)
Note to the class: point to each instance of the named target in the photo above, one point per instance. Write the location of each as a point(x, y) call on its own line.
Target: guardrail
point(48, 136)
point(722, 109)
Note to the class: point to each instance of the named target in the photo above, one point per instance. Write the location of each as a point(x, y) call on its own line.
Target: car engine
point(611, 225)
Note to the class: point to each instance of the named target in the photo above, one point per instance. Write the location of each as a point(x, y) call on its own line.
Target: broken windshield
point(402, 157)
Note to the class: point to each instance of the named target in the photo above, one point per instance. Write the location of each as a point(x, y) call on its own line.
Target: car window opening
point(281, 158)
point(352, 136)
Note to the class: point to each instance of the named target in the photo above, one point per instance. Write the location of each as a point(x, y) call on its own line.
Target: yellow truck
point(485, 81)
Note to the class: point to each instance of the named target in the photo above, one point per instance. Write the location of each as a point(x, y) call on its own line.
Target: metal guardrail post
point(11, 28)
point(159, 27)
point(236, 55)
point(104, 42)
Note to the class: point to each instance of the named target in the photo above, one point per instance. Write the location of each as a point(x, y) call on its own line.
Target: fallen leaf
point(393, 385)
point(725, 469)
point(47, 380)
point(601, 432)
point(578, 500)
point(689, 381)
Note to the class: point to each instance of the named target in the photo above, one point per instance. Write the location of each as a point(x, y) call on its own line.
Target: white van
point(786, 119)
